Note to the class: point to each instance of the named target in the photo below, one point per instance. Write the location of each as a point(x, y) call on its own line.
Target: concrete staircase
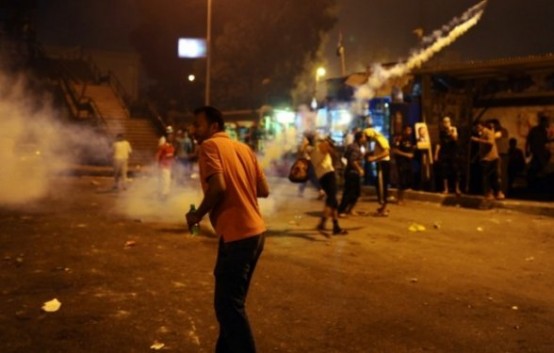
point(140, 132)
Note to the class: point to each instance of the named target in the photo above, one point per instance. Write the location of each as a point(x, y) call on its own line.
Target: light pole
point(319, 73)
point(208, 52)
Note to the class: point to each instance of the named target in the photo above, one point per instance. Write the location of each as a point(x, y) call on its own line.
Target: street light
point(192, 78)
point(319, 73)
point(208, 52)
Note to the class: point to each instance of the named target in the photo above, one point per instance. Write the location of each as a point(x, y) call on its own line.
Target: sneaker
point(340, 231)
point(382, 212)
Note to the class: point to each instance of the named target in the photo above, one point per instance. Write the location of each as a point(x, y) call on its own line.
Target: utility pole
point(208, 53)
point(341, 53)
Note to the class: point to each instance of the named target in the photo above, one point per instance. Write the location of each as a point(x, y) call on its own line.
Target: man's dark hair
point(543, 119)
point(213, 115)
point(358, 136)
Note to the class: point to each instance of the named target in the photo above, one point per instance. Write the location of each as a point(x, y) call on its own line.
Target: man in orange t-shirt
point(232, 181)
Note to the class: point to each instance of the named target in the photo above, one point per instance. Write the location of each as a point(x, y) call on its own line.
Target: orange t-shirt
point(237, 215)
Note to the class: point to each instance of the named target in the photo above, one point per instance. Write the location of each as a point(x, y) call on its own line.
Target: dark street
point(471, 281)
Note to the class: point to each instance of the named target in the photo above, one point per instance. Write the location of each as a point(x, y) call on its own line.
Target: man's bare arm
point(262, 187)
point(214, 193)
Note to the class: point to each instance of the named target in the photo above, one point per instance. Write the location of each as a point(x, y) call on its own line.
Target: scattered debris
point(414, 280)
point(138, 220)
point(81, 225)
point(437, 225)
point(23, 314)
point(95, 183)
point(414, 227)
point(130, 243)
point(157, 346)
point(479, 229)
point(530, 258)
point(515, 308)
point(52, 306)
point(163, 330)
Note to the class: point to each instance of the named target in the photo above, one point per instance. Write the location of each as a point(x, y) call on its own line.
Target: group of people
point(175, 152)
point(232, 180)
point(321, 155)
point(403, 149)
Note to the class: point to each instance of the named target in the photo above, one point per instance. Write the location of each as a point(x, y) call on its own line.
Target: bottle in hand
point(195, 229)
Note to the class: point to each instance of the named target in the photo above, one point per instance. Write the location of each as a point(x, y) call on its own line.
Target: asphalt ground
point(428, 278)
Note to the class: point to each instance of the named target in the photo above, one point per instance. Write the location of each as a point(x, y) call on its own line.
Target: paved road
point(128, 275)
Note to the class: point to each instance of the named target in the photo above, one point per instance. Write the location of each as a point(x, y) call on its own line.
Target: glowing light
point(284, 117)
point(320, 72)
point(192, 78)
point(191, 48)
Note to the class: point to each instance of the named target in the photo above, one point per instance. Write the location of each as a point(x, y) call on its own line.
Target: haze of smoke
point(30, 144)
point(435, 42)
point(34, 145)
point(275, 150)
point(142, 200)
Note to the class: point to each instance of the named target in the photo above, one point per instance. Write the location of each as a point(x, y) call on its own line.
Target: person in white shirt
point(320, 156)
point(121, 152)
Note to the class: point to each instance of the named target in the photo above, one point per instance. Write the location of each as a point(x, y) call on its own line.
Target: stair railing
point(79, 100)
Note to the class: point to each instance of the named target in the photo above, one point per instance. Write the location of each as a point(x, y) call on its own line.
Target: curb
point(474, 202)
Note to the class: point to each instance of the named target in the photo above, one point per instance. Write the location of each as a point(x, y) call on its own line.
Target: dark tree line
point(259, 47)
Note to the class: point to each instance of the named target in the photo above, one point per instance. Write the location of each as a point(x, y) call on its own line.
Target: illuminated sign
point(191, 48)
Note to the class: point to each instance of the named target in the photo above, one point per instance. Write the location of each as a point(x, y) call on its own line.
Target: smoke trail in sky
point(432, 44)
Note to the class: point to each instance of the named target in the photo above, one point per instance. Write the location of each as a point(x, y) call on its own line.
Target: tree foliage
point(259, 47)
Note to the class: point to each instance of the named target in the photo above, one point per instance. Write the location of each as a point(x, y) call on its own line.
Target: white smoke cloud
point(35, 144)
point(433, 44)
point(28, 139)
point(141, 201)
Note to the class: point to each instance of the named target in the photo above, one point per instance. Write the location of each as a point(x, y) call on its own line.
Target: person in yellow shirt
point(381, 156)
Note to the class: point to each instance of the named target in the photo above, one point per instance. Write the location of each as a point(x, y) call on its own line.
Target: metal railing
point(80, 101)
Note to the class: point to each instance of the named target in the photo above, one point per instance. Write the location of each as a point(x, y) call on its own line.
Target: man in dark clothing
point(446, 154)
point(536, 147)
point(516, 163)
point(352, 174)
point(403, 150)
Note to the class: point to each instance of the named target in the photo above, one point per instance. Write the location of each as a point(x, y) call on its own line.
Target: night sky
point(376, 30)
